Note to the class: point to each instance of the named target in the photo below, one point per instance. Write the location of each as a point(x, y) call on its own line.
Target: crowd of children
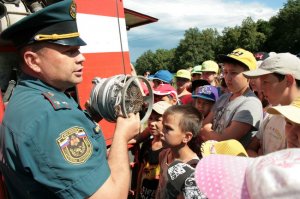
point(244, 105)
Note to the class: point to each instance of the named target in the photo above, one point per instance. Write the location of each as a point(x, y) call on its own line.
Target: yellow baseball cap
point(241, 55)
point(182, 73)
point(227, 147)
point(210, 66)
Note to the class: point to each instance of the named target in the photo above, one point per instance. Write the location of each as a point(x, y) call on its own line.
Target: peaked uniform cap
point(281, 63)
point(55, 23)
point(240, 55)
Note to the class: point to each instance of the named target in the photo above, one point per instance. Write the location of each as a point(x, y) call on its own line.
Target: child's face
point(209, 76)
point(155, 124)
point(203, 105)
point(273, 89)
point(172, 135)
point(292, 132)
point(234, 77)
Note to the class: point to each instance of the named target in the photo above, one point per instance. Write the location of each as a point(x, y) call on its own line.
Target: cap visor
point(225, 58)
point(203, 97)
point(75, 41)
point(222, 176)
point(290, 112)
point(256, 73)
point(160, 93)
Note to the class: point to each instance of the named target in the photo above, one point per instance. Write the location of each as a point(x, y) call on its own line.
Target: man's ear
point(290, 80)
point(32, 61)
point(187, 137)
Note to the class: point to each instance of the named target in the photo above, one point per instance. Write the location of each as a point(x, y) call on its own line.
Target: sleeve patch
point(75, 145)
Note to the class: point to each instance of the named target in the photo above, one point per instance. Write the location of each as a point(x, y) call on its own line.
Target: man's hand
point(128, 127)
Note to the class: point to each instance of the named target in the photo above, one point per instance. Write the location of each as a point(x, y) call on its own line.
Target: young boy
point(280, 77)
point(291, 114)
point(204, 98)
point(149, 168)
point(236, 115)
point(181, 125)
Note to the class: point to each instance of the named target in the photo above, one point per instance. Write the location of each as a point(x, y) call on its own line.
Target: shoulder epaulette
point(55, 101)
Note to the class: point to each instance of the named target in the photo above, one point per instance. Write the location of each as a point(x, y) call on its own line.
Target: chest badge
point(75, 145)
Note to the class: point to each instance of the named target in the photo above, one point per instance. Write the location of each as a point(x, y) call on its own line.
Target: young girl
point(149, 169)
point(236, 115)
point(181, 125)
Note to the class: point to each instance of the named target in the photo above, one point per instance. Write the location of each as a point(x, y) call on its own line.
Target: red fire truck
point(103, 24)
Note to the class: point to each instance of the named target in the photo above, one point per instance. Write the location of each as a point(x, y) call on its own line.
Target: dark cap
point(55, 23)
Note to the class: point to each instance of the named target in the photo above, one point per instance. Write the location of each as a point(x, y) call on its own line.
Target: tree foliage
point(280, 34)
point(196, 47)
point(149, 61)
point(285, 36)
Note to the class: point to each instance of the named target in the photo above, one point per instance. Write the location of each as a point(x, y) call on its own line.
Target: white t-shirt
point(271, 134)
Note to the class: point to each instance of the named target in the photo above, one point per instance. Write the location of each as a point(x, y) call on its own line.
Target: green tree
point(265, 28)
point(285, 36)
point(230, 39)
point(245, 36)
point(195, 48)
point(250, 38)
point(149, 61)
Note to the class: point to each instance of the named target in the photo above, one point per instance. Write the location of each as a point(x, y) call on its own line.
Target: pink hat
point(275, 175)
point(165, 89)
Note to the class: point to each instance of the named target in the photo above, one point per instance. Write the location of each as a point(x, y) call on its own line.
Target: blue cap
point(207, 92)
point(163, 75)
point(55, 23)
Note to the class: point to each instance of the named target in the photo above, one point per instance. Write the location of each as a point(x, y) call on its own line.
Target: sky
point(177, 16)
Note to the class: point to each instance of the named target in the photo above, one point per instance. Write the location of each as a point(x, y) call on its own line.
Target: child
point(236, 115)
point(204, 98)
point(210, 72)
point(292, 127)
point(280, 77)
point(183, 82)
point(181, 125)
point(149, 169)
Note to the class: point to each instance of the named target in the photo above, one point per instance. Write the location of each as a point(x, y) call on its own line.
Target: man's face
point(60, 66)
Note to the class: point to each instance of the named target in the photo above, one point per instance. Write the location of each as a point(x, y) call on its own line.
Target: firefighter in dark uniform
point(50, 148)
